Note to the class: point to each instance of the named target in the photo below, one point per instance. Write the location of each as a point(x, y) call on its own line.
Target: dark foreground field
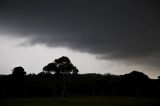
point(82, 101)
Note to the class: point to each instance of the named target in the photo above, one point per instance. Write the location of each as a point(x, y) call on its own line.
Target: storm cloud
point(127, 30)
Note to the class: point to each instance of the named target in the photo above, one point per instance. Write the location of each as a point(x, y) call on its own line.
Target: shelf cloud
point(127, 30)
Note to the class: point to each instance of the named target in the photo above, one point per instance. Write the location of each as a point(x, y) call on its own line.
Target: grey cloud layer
point(126, 30)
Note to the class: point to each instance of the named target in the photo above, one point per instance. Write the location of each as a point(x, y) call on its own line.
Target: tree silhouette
point(18, 81)
point(18, 71)
point(61, 65)
point(51, 67)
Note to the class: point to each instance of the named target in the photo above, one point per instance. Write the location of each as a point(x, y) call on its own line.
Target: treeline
point(60, 79)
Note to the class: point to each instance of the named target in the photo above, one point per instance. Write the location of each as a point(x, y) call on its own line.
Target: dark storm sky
point(127, 30)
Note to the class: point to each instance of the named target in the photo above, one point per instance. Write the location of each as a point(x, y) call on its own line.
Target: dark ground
point(82, 101)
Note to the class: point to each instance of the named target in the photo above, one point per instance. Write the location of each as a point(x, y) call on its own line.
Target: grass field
point(82, 101)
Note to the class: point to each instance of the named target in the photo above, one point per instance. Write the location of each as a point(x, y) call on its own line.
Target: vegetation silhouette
point(60, 78)
point(61, 65)
point(18, 72)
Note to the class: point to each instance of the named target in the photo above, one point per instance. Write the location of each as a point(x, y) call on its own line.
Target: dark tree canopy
point(136, 75)
point(51, 67)
point(18, 71)
point(61, 65)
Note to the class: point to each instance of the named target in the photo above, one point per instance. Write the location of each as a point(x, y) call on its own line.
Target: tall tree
point(61, 65)
point(18, 74)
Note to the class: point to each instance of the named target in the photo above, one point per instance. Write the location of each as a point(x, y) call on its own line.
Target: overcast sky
point(100, 36)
